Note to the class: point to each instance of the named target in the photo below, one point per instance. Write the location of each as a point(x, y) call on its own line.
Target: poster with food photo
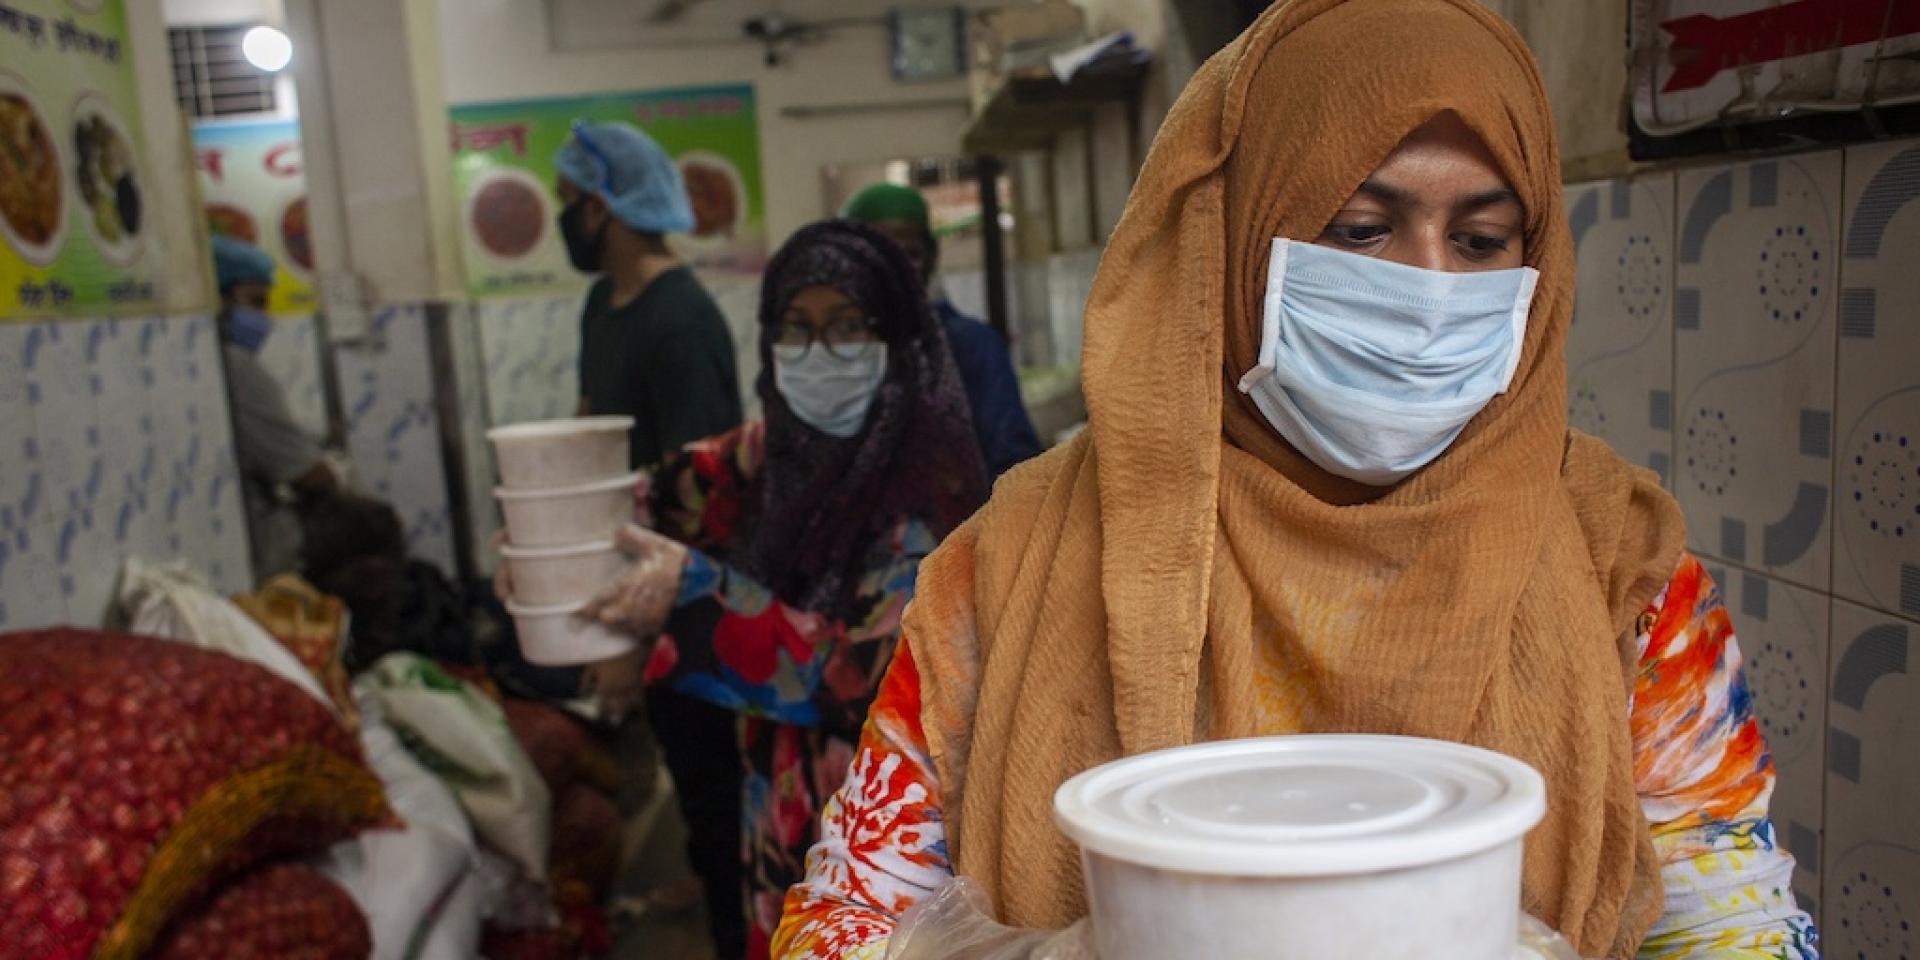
point(255, 190)
point(504, 179)
point(73, 194)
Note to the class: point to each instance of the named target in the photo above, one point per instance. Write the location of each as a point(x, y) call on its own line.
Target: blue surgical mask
point(248, 327)
point(1372, 368)
point(829, 393)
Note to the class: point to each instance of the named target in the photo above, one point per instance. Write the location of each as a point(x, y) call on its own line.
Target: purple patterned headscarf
point(824, 501)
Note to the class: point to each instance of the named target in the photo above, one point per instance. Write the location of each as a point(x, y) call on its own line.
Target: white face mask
point(1372, 368)
point(828, 393)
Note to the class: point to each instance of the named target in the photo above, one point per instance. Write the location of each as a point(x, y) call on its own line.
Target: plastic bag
point(463, 737)
point(172, 602)
point(956, 923)
point(418, 887)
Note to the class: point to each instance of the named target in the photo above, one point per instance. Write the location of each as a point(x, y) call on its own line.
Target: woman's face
point(1438, 202)
point(822, 315)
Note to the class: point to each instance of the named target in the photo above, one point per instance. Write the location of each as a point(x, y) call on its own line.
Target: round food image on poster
point(714, 189)
point(32, 202)
point(295, 238)
point(507, 213)
point(108, 180)
point(228, 220)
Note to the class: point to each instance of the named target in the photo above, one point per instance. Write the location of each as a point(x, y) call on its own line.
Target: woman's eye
point(1358, 235)
point(1481, 246)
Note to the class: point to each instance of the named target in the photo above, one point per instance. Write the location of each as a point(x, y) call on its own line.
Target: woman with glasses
point(787, 548)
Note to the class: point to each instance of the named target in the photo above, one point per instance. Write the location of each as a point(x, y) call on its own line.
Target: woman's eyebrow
point(1488, 198)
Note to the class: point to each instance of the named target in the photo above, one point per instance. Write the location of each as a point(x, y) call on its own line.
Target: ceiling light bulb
point(267, 48)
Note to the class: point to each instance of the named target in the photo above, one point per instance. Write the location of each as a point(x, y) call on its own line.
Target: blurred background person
point(281, 465)
point(791, 544)
point(993, 390)
point(654, 347)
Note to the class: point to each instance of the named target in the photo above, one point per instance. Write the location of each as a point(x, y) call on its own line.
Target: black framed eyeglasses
point(848, 338)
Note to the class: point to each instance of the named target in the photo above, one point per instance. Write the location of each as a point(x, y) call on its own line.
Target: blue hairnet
point(236, 261)
point(625, 168)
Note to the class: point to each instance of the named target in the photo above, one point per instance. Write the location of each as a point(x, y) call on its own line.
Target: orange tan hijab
point(1166, 578)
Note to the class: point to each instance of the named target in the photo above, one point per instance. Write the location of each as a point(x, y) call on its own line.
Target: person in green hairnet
point(993, 392)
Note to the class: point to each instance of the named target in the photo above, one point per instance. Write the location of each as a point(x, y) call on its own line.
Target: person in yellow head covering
point(1327, 486)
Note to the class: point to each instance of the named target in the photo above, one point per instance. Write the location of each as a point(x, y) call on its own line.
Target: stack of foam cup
point(565, 489)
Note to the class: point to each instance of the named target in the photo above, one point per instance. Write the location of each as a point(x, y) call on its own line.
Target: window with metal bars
point(212, 78)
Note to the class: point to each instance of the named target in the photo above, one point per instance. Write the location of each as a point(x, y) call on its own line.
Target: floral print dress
point(1702, 770)
point(802, 682)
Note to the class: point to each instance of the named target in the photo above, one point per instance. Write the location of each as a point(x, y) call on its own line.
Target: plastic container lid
point(1301, 806)
point(559, 428)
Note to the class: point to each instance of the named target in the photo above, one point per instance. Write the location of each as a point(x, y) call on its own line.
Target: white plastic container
point(1305, 848)
point(569, 516)
point(553, 454)
point(549, 576)
point(554, 636)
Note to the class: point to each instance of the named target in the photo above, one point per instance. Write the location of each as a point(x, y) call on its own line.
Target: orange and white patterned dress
point(1702, 769)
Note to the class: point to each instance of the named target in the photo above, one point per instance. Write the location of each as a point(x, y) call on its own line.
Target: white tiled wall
point(292, 356)
point(386, 389)
point(1620, 348)
point(530, 349)
point(1793, 365)
point(1754, 314)
point(116, 440)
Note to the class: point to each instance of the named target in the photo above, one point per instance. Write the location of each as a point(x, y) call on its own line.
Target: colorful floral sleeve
point(729, 641)
point(698, 496)
point(882, 842)
point(1702, 770)
point(1704, 777)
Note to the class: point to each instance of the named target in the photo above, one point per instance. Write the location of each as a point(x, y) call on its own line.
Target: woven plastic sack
point(312, 626)
point(462, 736)
point(279, 912)
point(137, 773)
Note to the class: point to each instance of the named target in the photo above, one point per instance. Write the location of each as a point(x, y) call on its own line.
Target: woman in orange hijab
point(1327, 486)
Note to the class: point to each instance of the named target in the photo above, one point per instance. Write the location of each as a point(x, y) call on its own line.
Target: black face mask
point(583, 251)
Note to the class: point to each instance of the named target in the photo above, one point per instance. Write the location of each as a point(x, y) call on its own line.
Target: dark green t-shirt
point(665, 360)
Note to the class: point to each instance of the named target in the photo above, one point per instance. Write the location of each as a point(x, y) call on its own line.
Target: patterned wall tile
point(292, 355)
point(29, 572)
point(1620, 348)
point(531, 350)
point(1783, 638)
point(118, 443)
point(1754, 315)
point(483, 512)
point(1876, 430)
point(1872, 874)
point(386, 386)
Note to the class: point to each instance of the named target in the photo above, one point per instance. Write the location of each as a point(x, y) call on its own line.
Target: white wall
point(501, 50)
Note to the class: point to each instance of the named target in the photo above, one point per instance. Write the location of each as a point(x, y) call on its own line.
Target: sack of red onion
point(279, 912)
point(137, 773)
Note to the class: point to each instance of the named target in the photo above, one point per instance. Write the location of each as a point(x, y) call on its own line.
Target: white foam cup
point(552, 454)
point(588, 513)
point(556, 636)
point(547, 576)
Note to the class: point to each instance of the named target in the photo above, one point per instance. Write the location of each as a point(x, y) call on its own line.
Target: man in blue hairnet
point(654, 346)
point(281, 466)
